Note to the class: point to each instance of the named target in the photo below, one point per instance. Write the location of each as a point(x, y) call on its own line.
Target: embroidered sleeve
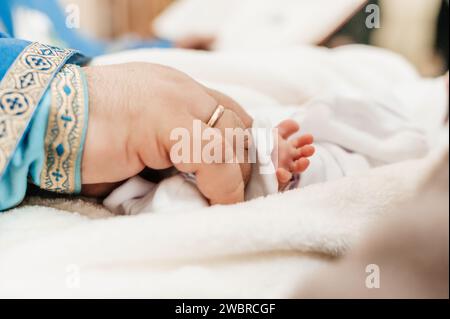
point(21, 90)
point(66, 130)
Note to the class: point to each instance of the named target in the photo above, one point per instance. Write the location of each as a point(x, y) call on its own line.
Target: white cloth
point(263, 248)
point(138, 195)
point(352, 133)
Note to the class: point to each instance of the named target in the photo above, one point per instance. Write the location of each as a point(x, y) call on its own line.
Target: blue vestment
point(43, 119)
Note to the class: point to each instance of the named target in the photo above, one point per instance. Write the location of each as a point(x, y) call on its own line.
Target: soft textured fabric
point(27, 161)
point(263, 248)
point(10, 49)
point(356, 132)
point(32, 76)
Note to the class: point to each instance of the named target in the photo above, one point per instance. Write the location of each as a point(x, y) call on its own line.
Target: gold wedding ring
point(216, 116)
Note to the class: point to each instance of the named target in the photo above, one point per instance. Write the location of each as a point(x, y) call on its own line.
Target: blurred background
point(417, 29)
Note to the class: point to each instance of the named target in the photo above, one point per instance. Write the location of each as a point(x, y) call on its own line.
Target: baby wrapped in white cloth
point(352, 134)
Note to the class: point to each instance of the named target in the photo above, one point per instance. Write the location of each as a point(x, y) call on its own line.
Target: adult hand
point(133, 110)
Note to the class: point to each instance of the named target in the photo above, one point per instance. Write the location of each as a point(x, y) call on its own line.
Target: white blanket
point(255, 249)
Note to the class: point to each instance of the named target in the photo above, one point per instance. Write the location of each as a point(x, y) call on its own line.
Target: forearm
point(244, 118)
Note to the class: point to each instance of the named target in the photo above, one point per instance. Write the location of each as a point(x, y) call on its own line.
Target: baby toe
point(284, 176)
point(288, 128)
point(296, 153)
point(307, 151)
point(301, 165)
point(303, 140)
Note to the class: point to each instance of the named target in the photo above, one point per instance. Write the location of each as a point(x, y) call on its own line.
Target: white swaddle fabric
point(139, 195)
point(353, 133)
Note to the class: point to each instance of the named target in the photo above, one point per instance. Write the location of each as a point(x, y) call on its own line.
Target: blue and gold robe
point(43, 119)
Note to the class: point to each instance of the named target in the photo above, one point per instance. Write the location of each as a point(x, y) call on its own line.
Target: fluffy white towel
point(257, 249)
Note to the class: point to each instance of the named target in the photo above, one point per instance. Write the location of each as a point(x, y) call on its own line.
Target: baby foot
point(292, 154)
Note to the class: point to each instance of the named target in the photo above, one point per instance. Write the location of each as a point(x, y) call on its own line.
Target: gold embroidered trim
point(65, 132)
point(21, 91)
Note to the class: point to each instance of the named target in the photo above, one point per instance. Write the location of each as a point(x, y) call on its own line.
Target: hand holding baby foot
point(130, 128)
point(292, 154)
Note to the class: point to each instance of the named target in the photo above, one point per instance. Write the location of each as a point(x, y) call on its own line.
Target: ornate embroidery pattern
point(64, 138)
point(21, 90)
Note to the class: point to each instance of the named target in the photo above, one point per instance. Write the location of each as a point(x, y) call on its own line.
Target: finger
point(233, 129)
point(202, 106)
point(231, 105)
point(221, 183)
point(240, 138)
point(196, 100)
point(303, 140)
point(211, 159)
